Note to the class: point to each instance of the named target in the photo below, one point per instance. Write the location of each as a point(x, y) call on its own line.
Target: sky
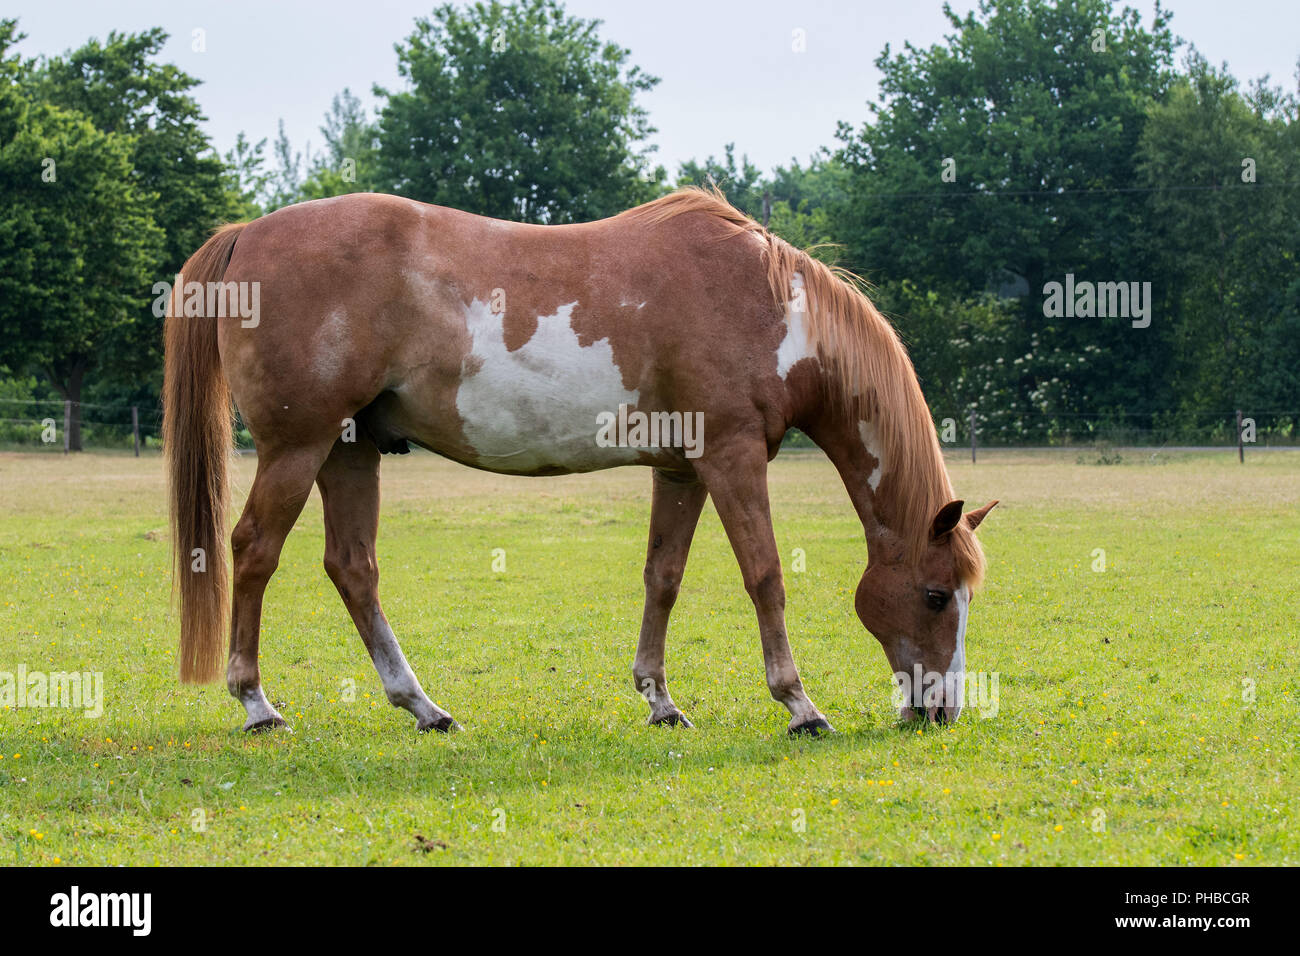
point(728, 71)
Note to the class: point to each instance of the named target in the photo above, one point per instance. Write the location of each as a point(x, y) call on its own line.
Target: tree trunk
point(74, 396)
point(70, 388)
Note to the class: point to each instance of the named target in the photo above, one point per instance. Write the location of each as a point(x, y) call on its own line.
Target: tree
point(349, 162)
point(795, 202)
point(1227, 239)
point(967, 354)
point(77, 239)
point(802, 202)
point(283, 184)
point(519, 112)
point(741, 183)
point(246, 179)
point(1001, 159)
point(120, 87)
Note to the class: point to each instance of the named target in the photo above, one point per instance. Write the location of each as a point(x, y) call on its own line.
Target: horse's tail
point(197, 444)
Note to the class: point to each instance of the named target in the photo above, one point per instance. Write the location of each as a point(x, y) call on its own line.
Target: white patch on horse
point(330, 346)
point(794, 347)
point(536, 407)
point(957, 666)
point(401, 686)
point(870, 441)
point(258, 708)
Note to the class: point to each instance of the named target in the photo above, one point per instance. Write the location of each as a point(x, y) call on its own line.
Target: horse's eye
point(937, 600)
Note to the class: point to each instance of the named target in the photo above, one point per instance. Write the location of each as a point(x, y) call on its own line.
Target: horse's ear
point(946, 519)
point(973, 518)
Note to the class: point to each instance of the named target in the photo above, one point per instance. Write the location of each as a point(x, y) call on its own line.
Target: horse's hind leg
point(674, 513)
point(281, 488)
point(349, 486)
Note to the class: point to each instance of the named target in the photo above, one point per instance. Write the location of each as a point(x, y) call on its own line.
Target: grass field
point(1147, 712)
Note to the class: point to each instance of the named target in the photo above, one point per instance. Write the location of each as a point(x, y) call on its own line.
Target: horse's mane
point(870, 374)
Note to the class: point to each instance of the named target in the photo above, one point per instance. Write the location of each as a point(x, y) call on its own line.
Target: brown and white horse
point(512, 348)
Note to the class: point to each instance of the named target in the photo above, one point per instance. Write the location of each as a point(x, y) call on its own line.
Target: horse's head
point(918, 611)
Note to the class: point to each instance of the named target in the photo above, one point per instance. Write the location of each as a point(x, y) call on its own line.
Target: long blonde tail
point(197, 444)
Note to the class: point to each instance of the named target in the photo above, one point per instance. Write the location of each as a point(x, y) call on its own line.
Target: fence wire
point(41, 424)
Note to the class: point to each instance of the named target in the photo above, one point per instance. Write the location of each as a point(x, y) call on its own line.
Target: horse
point(510, 347)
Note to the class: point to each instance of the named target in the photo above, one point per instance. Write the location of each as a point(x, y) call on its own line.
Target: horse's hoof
point(812, 728)
point(444, 725)
point(673, 718)
point(264, 724)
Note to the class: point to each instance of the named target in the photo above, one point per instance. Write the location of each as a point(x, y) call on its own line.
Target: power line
point(1103, 191)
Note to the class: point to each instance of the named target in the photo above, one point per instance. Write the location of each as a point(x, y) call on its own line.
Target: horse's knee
point(767, 590)
point(662, 585)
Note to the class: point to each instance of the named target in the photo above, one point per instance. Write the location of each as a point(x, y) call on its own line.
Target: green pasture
point(1146, 714)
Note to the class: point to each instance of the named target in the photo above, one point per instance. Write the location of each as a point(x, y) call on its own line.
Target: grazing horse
point(528, 350)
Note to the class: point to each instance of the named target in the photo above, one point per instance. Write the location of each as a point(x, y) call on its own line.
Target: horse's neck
point(843, 442)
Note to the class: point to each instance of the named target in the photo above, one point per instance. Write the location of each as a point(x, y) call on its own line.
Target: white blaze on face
point(794, 347)
point(871, 442)
point(957, 666)
point(537, 406)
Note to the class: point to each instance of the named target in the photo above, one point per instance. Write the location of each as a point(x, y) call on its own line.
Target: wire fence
point(54, 425)
point(999, 428)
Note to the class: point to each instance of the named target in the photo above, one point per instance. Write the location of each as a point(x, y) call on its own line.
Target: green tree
point(284, 182)
point(125, 92)
point(967, 354)
point(1228, 240)
point(516, 111)
point(795, 202)
point(742, 183)
point(802, 201)
point(349, 162)
point(246, 177)
point(1000, 160)
point(77, 239)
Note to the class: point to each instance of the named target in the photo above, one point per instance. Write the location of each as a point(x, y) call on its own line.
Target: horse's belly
point(539, 407)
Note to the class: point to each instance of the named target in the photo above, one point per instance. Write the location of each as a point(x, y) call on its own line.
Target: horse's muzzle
point(934, 715)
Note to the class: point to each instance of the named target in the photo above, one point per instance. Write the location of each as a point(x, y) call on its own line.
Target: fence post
point(1241, 448)
point(67, 425)
point(972, 434)
point(135, 428)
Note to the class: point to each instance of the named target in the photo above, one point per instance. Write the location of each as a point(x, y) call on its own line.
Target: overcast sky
point(727, 69)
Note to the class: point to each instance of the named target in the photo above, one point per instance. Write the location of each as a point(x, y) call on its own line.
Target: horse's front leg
point(736, 477)
point(674, 513)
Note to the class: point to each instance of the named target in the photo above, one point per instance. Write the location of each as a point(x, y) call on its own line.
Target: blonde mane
point(869, 373)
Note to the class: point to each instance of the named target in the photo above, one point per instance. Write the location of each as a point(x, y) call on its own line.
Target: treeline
point(1043, 146)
